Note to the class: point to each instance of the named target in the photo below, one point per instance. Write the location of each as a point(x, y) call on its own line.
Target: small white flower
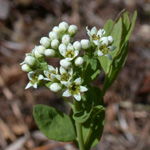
point(66, 39)
point(69, 53)
point(34, 79)
point(26, 68)
point(45, 41)
point(56, 29)
point(74, 89)
point(65, 75)
point(53, 35)
point(85, 43)
point(104, 49)
point(79, 61)
point(55, 87)
point(49, 53)
point(51, 74)
point(77, 45)
point(41, 49)
point(30, 60)
point(63, 27)
point(95, 35)
point(65, 63)
point(55, 44)
point(72, 30)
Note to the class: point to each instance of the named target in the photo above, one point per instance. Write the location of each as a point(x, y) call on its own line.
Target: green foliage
point(54, 124)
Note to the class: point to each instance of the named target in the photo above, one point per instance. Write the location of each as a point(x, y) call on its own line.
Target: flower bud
point(55, 87)
point(37, 54)
point(26, 68)
point(53, 35)
point(41, 49)
point(56, 29)
point(66, 39)
point(30, 60)
point(110, 40)
point(45, 41)
point(79, 61)
point(77, 45)
point(63, 27)
point(55, 44)
point(66, 64)
point(85, 43)
point(72, 30)
point(49, 53)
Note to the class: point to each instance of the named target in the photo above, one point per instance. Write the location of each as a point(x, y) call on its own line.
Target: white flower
point(74, 89)
point(65, 75)
point(95, 35)
point(56, 29)
point(104, 49)
point(79, 61)
point(51, 74)
point(41, 49)
point(45, 41)
point(55, 44)
point(65, 63)
point(49, 53)
point(77, 45)
point(72, 30)
point(26, 68)
point(66, 39)
point(34, 79)
point(55, 87)
point(53, 35)
point(30, 60)
point(85, 43)
point(63, 27)
point(69, 53)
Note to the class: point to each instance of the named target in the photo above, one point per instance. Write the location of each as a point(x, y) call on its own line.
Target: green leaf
point(54, 124)
point(83, 115)
point(92, 69)
point(115, 68)
point(108, 27)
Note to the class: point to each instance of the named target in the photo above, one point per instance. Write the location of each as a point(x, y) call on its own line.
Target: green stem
point(79, 128)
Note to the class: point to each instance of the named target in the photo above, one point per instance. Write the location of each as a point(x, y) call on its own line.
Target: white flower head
point(31, 61)
point(78, 61)
point(34, 79)
point(72, 30)
point(69, 52)
point(85, 43)
point(26, 68)
point(55, 44)
point(65, 75)
point(63, 27)
point(77, 45)
point(55, 87)
point(66, 39)
point(49, 53)
point(53, 35)
point(45, 41)
point(51, 74)
point(65, 63)
point(74, 88)
point(95, 35)
point(104, 49)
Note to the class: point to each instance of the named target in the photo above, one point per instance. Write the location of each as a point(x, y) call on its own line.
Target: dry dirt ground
point(22, 23)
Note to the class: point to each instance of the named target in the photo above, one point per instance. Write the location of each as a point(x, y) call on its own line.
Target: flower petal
point(66, 93)
point(50, 68)
point(83, 89)
point(108, 56)
point(78, 81)
point(46, 73)
point(40, 77)
point(35, 85)
point(111, 48)
point(77, 96)
point(58, 77)
point(62, 70)
point(28, 85)
point(76, 53)
point(99, 53)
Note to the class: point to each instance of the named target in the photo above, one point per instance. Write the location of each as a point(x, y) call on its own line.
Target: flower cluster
point(60, 44)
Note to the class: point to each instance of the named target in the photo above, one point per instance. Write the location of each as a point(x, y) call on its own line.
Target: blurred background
point(22, 23)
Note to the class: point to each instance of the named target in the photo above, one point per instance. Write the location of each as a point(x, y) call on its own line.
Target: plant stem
point(79, 128)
